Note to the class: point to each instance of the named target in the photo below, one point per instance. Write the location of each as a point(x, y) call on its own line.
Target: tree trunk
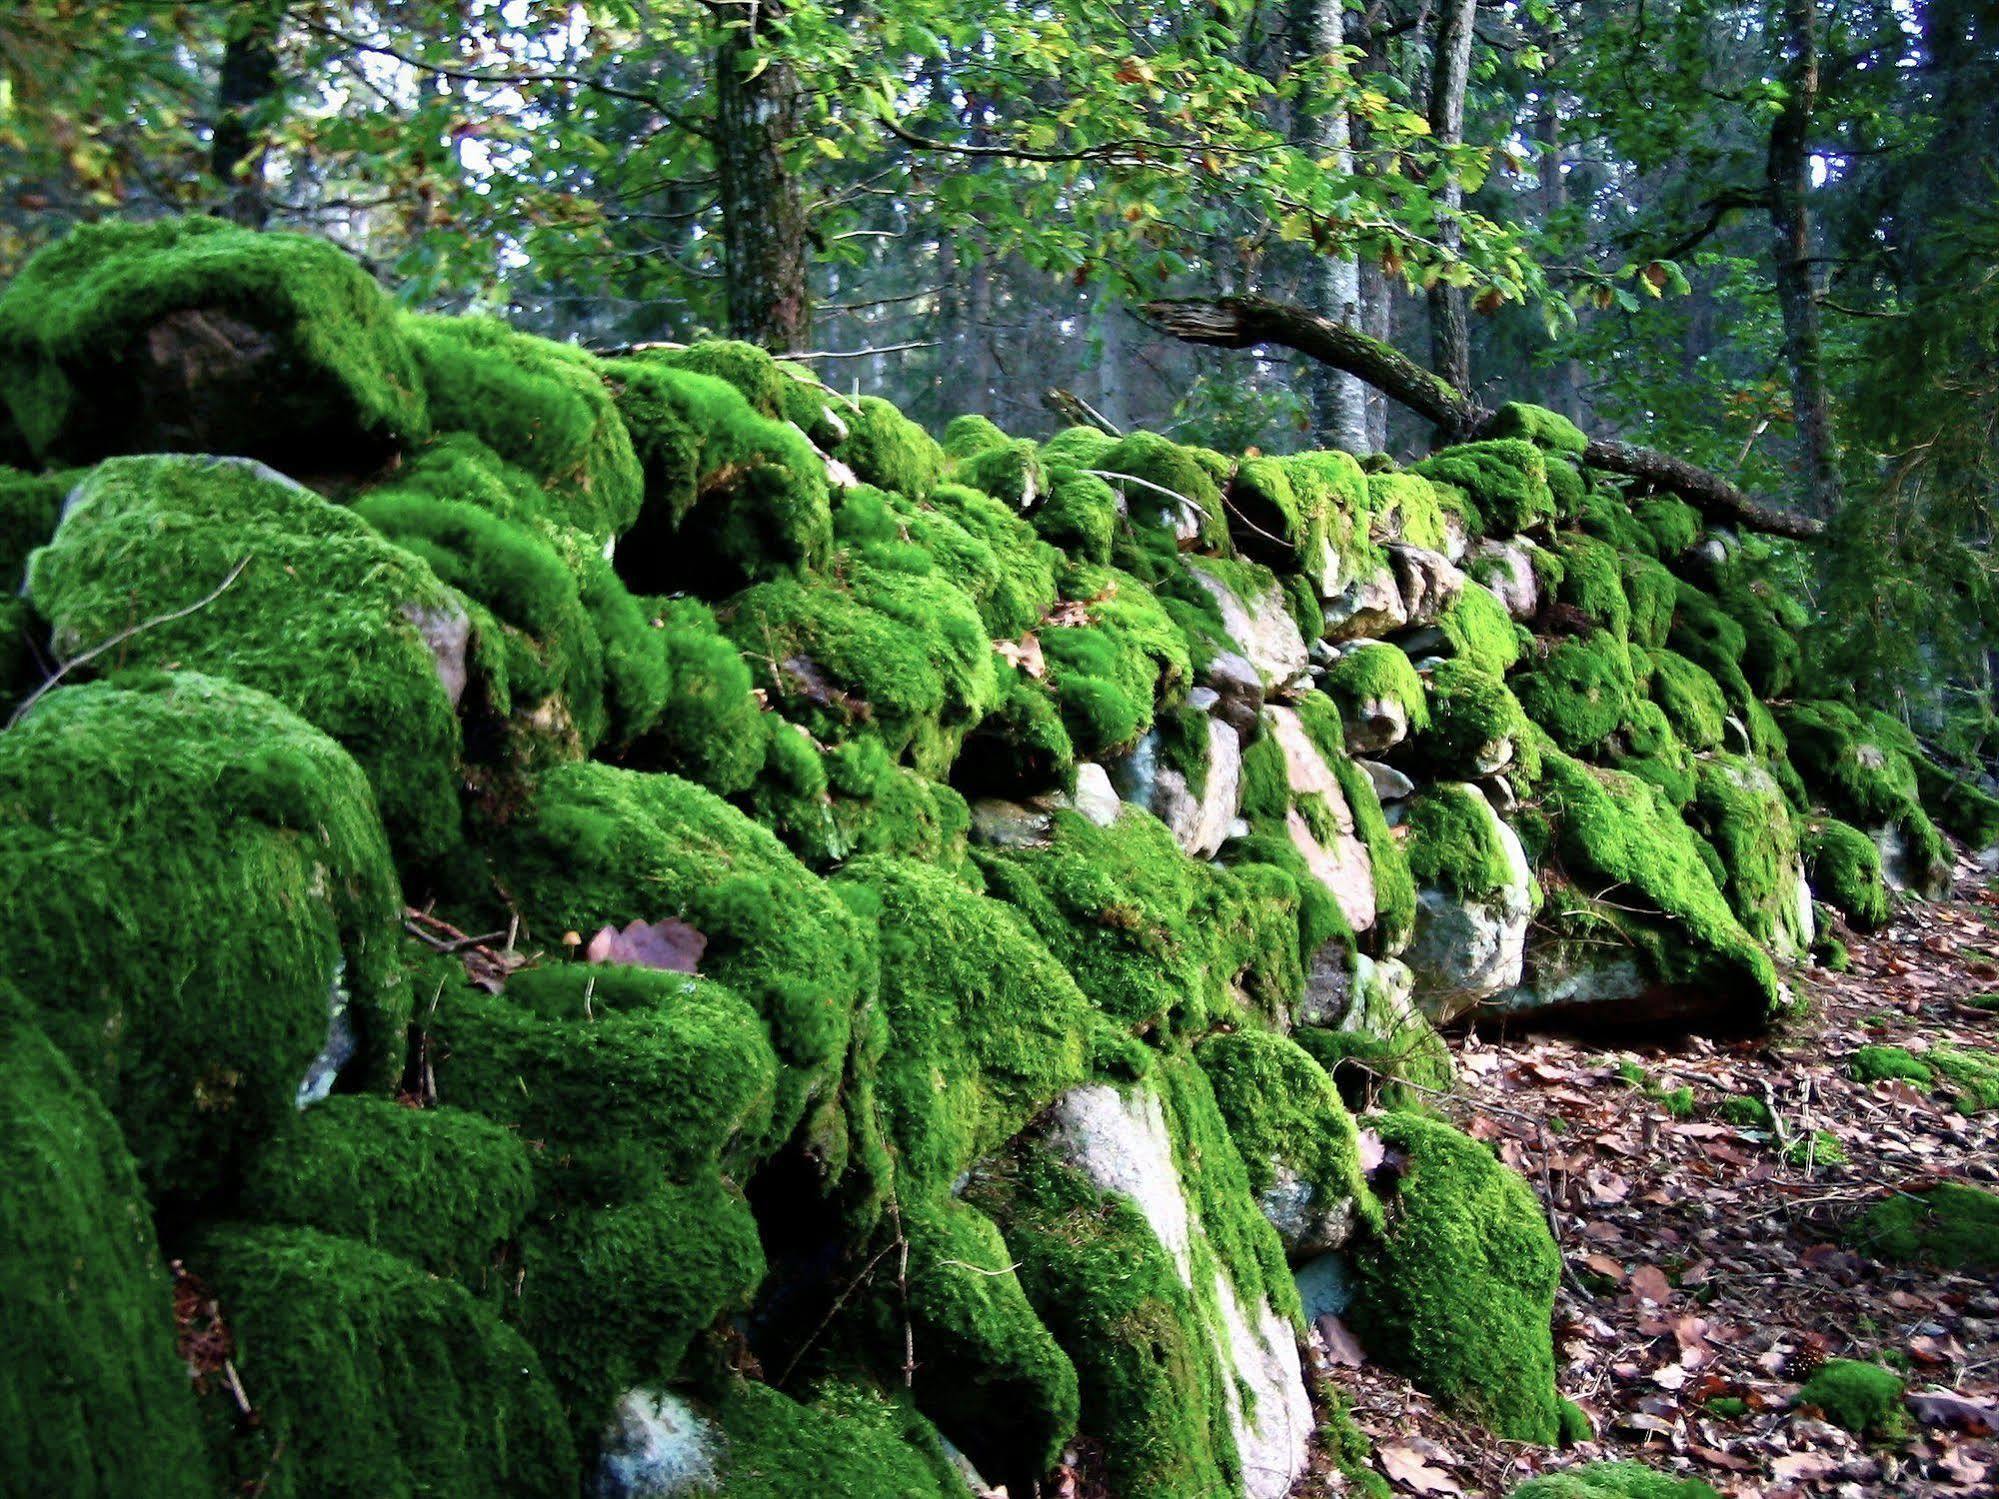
point(1338, 400)
point(1568, 391)
point(1244, 322)
point(758, 112)
point(1788, 171)
point(1450, 73)
point(246, 87)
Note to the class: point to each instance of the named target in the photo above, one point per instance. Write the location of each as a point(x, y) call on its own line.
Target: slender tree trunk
point(1378, 288)
point(1450, 73)
point(1788, 171)
point(1338, 401)
point(1567, 396)
point(244, 91)
point(758, 112)
point(1111, 371)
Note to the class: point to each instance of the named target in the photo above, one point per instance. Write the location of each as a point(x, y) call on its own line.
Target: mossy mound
point(1458, 1291)
point(204, 915)
point(1864, 1398)
point(844, 1441)
point(1613, 1481)
point(92, 1392)
point(1859, 766)
point(1844, 867)
point(1505, 479)
point(355, 635)
point(1740, 810)
point(1950, 1224)
point(198, 335)
point(369, 1377)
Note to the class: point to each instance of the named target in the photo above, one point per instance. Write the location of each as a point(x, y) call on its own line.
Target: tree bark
point(1568, 398)
point(1450, 73)
point(245, 88)
point(1788, 171)
point(1244, 322)
point(1323, 125)
point(759, 109)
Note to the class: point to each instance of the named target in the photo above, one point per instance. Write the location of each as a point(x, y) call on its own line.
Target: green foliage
point(326, 616)
point(1951, 1225)
point(1458, 1291)
point(1864, 1398)
point(371, 1378)
point(335, 380)
point(146, 825)
point(92, 1393)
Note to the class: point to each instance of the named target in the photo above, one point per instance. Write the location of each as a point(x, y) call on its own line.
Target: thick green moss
point(970, 434)
point(1844, 868)
point(1454, 844)
point(845, 1442)
point(1505, 478)
point(1592, 583)
point(1739, 808)
point(1480, 630)
point(1604, 515)
point(1394, 884)
point(711, 727)
point(1858, 767)
point(1613, 1481)
point(1973, 1076)
point(1950, 1224)
point(1472, 714)
point(326, 616)
point(1875, 1064)
point(1654, 594)
point(1707, 635)
point(1674, 524)
point(1691, 698)
point(441, 1188)
point(1296, 1139)
point(1375, 671)
point(1864, 1398)
point(1956, 801)
point(1546, 429)
point(886, 449)
point(897, 652)
point(1155, 464)
point(984, 548)
point(599, 847)
point(1458, 1291)
point(1581, 691)
point(1654, 753)
point(1078, 447)
point(1110, 671)
point(201, 910)
point(1150, 1383)
point(1079, 515)
point(1771, 622)
point(91, 1394)
point(325, 374)
point(1617, 840)
point(1010, 474)
point(539, 404)
point(369, 1377)
point(1305, 513)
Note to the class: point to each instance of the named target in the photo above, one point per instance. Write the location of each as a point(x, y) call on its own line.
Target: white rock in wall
point(656, 1445)
point(1429, 582)
point(1121, 1143)
point(1507, 568)
point(1370, 604)
point(1344, 866)
point(1464, 951)
point(1304, 767)
point(1200, 823)
point(1263, 631)
point(1094, 797)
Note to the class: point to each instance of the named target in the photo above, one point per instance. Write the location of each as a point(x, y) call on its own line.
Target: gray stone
point(1306, 1224)
point(656, 1445)
point(1507, 568)
point(1467, 949)
point(1305, 769)
point(1200, 823)
point(1204, 699)
point(1004, 824)
point(1094, 797)
point(1367, 606)
point(1238, 690)
point(447, 633)
point(1390, 784)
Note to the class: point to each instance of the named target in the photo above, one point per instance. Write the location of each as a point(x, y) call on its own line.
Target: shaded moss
point(1110, 671)
point(1654, 594)
point(326, 375)
point(1505, 478)
point(30, 506)
point(320, 595)
point(202, 911)
point(1950, 1224)
point(1459, 1290)
point(1079, 515)
point(711, 728)
point(92, 1393)
point(1957, 802)
point(886, 449)
point(1861, 772)
point(1674, 524)
point(1021, 748)
point(1740, 810)
point(369, 1377)
point(1472, 715)
point(845, 1442)
point(441, 1188)
point(1864, 1398)
point(1844, 868)
point(1394, 884)
point(1876, 1064)
point(1010, 473)
point(1592, 583)
point(1705, 634)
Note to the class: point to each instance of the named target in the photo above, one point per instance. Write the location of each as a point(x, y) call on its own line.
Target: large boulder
point(1255, 617)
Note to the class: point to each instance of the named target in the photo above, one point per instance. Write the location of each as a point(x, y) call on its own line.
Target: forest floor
point(1702, 1265)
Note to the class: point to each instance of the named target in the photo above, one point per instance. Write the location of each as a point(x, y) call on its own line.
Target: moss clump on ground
point(1950, 1224)
point(320, 594)
point(1459, 1290)
point(1864, 1398)
point(604, 847)
point(370, 1377)
point(1876, 1064)
point(1844, 868)
point(441, 1188)
point(92, 1390)
point(1973, 1076)
point(146, 826)
point(1613, 1481)
point(1956, 801)
point(324, 374)
point(539, 404)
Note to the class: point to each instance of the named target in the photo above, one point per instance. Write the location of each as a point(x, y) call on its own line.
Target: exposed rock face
point(1390, 784)
point(1507, 569)
point(1201, 822)
point(657, 1445)
point(1467, 949)
point(1365, 606)
point(1095, 797)
point(1304, 767)
point(1004, 824)
point(1345, 867)
point(1264, 630)
point(1238, 690)
point(1428, 582)
point(1122, 1143)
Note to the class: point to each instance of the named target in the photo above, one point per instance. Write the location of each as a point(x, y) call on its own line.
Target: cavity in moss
point(1864, 1398)
point(1459, 1290)
point(323, 374)
point(93, 1390)
point(370, 1377)
point(325, 615)
point(147, 825)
